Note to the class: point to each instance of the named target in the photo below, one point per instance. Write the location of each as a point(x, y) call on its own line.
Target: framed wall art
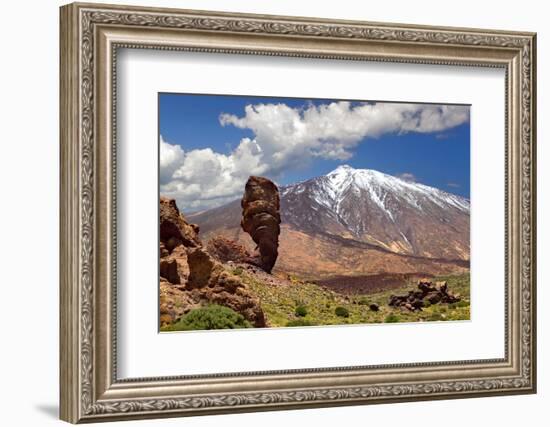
point(266, 212)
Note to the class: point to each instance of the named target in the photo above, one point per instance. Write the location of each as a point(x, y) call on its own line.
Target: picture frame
point(91, 36)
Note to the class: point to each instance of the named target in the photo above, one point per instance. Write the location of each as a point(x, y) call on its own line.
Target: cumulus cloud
point(332, 130)
point(286, 138)
point(407, 176)
point(171, 157)
point(202, 178)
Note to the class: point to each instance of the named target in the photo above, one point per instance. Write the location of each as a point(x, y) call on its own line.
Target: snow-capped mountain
point(357, 222)
point(373, 207)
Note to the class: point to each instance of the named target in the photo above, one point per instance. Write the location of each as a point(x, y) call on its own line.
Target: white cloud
point(286, 138)
point(203, 179)
point(407, 176)
point(171, 157)
point(332, 130)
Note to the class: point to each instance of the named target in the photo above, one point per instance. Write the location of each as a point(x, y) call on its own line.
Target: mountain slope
point(357, 222)
point(373, 207)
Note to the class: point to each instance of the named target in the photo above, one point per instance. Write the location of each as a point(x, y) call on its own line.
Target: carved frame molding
point(90, 37)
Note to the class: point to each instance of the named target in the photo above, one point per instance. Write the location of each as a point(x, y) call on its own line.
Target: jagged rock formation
point(175, 301)
point(174, 229)
point(261, 218)
point(226, 250)
point(208, 280)
point(427, 291)
point(190, 277)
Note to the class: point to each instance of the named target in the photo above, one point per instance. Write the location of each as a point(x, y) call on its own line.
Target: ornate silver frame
point(90, 36)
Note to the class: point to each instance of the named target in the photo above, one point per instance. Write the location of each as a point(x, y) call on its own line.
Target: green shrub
point(210, 317)
point(363, 301)
point(238, 271)
point(300, 322)
point(391, 318)
point(301, 311)
point(462, 304)
point(341, 312)
point(427, 303)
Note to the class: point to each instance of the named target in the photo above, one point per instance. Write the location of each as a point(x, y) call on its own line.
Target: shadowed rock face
point(174, 229)
point(261, 218)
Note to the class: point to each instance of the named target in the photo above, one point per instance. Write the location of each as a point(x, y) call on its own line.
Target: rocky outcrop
point(226, 250)
point(210, 281)
point(261, 218)
point(434, 293)
point(174, 302)
point(173, 266)
point(174, 229)
point(190, 277)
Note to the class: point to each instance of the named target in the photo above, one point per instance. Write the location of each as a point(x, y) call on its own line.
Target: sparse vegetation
point(391, 318)
point(436, 317)
point(280, 302)
point(363, 301)
point(209, 317)
point(341, 311)
point(300, 322)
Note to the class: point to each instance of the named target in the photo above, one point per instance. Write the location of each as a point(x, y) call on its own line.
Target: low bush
point(391, 318)
point(341, 312)
point(301, 311)
point(238, 271)
point(210, 317)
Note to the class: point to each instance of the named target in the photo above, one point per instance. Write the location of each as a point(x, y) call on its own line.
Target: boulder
point(414, 300)
point(174, 266)
point(434, 297)
point(201, 268)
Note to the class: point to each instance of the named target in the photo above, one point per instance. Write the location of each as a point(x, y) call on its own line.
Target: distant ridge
point(360, 221)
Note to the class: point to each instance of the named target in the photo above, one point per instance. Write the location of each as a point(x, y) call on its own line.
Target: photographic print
point(292, 212)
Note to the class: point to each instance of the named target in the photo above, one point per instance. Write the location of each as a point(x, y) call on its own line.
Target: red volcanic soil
point(352, 285)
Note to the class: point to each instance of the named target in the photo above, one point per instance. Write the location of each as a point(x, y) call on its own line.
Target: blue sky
point(420, 142)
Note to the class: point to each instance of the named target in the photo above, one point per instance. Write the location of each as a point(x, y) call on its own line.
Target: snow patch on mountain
point(331, 189)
